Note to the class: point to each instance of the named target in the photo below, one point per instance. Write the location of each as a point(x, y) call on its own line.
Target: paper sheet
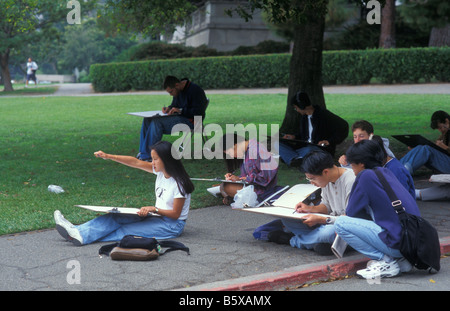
point(111, 209)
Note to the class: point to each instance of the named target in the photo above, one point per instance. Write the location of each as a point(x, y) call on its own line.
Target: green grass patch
point(51, 140)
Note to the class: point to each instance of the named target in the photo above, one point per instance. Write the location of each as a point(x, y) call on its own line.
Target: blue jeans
point(113, 227)
point(287, 153)
point(307, 237)
point(153, 129)
point(362, 235)
point(426, 155)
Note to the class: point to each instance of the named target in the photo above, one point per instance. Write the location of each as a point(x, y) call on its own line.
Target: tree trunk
point(305, 69)
point(440, 36)
point(4, 67)
point(387, 34)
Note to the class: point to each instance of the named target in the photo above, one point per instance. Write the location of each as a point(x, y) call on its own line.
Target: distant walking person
point(31, 71)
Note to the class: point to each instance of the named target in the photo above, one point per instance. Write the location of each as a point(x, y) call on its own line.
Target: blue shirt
point(402, 174)
point(369, 198)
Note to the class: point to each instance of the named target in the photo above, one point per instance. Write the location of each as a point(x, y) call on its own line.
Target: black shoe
point(280, 237)
point(323, 249)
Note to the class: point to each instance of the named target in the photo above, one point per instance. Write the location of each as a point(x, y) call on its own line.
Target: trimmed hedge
point(264, 71)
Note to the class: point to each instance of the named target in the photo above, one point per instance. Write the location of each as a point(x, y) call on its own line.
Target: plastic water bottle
point(55, 189)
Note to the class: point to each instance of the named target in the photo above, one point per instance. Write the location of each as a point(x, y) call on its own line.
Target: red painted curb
point(324, 272)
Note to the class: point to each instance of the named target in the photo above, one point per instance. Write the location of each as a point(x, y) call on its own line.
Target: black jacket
point(326, 126)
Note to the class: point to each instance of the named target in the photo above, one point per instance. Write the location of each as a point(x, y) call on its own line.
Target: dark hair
point(316, 161)
point(438, 117)
point(170, 81)
point(367, 152)
point(380, 142)
point(301, 100)
point(174, 167)
point(229, 140)
point(363, 125)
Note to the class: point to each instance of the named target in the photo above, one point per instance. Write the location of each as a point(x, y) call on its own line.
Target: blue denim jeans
point(113, 227)
point(428, 156)
point(153, 129)
point(306, 237)
point(362, 235)
point(287, 153)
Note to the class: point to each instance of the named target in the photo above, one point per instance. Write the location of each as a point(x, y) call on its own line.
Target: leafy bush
point(272, 70)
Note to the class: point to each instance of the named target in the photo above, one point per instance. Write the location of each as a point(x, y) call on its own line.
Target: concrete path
point(85, 89)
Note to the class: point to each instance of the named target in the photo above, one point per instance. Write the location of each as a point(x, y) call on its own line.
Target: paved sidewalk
point(85, 89)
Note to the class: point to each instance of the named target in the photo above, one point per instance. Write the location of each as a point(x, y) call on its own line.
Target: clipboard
point(219, 180)
point(284, 206)
point(413, 140)
point(149, 114)
point(115, 210)
point(296, 143)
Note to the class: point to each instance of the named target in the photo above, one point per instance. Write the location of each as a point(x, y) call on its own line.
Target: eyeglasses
point(310, 179)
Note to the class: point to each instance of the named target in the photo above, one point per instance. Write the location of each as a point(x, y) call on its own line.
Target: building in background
point(211, 26)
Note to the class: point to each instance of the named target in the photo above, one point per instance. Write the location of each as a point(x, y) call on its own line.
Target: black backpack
point(420, 241)
point(139, 248)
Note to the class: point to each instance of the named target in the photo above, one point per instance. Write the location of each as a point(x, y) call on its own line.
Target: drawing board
point(110, 209)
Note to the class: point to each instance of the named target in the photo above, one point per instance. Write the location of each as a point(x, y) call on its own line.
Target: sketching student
point(188, 100)
point(429, 156)
point(361, 130)
point(371, 225)
point(316, 231)
point(173, 189)
point(255, 163)
point(321, 128)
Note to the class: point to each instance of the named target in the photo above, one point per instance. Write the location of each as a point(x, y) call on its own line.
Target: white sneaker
point(66, 229)
point(379, 269)
point(404, 265)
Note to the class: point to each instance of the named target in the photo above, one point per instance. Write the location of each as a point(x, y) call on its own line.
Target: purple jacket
point(368, 197)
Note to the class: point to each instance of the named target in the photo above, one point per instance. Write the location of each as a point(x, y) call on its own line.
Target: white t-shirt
point(166, 190)
point(30, 67)
point(335, 195)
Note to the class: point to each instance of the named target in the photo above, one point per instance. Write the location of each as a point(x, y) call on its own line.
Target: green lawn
point(51, 140)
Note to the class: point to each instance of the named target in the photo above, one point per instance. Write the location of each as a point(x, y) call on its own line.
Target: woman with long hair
point(173, 189)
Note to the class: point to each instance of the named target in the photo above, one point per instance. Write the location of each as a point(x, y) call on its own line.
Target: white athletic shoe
point(66, 229)
point(380, 269)
point(403, 264)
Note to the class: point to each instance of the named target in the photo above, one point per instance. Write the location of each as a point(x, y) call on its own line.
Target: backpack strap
point(106, 249)
point(173, 246)
point(396, 203)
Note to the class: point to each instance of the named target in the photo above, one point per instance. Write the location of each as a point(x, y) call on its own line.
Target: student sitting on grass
point(429, 156)
point(256, 165)
point(371, 225)
point(173, 189)
point(362, 130)
point(314, 231)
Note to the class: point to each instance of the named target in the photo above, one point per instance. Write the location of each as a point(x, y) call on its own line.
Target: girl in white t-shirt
point(173, 189)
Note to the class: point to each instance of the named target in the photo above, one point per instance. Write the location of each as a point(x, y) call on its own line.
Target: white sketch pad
point(149, 114)
point(110, 209)
point(285, 205)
